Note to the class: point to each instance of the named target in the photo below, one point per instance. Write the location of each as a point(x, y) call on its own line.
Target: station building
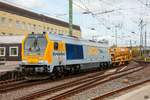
point(15, 20)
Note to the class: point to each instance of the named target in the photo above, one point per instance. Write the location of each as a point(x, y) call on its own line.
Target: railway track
point(106, 95)
point(11, 76)
point(4, 85)
point(10, 85)
point(8, 81)
point(77, 86)
point(19, 84)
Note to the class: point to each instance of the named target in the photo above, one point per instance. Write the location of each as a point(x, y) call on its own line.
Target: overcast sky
point(105, 17)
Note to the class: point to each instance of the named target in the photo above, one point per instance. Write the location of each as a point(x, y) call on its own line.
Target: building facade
point(15, 20)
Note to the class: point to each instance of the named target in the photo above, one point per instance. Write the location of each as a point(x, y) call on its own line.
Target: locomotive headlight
point(24, 62)
point(42, 62)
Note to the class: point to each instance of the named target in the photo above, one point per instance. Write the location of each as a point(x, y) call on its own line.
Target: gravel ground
point(25, 91)
point(28, 90)
point(111, 85)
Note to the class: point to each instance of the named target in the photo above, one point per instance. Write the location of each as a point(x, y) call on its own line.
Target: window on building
point(29, 26)
point(34, 27)
point(44, 28)
point(59, 31)
point(10, 22)
point(3, 33)
point(13, 51)
point(55, 31)
point(48, 29)
point(39, 28)
point(62, 31)
point(52, 29)
point(2, 21)
point(18, 25)
point(66, 32)
point(23, 25)
point(2, 51)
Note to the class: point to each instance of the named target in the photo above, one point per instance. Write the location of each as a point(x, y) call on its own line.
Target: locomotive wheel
point(53, 76)
point(101, 66)
point(110, 65)
point(71, 71)
point(78, 67)
point(106, 64)
point(74, 69)
point(60, 72)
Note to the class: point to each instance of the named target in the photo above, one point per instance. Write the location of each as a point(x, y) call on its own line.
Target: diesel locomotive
point(46, 55)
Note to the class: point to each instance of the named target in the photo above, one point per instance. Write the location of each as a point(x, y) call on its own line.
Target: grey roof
point(11, 39)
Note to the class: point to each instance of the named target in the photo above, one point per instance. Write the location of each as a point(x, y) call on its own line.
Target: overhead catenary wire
point(93, 13)
point(106, 17)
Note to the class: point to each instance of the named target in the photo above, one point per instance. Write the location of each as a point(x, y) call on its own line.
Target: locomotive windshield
point(35, 45)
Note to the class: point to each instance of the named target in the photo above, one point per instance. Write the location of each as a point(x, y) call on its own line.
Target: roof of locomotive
point(74, 40)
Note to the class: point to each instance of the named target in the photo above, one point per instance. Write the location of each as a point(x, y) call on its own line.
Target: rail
point(106, 95)
point(79, 85)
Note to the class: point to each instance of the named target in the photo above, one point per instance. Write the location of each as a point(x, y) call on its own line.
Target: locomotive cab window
point(35, 45)
point(55, 45)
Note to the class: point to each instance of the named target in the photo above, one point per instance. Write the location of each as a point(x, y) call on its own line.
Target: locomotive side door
point(59, 53)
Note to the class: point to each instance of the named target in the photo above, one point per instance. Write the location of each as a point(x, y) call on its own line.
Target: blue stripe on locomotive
point(74, 51)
